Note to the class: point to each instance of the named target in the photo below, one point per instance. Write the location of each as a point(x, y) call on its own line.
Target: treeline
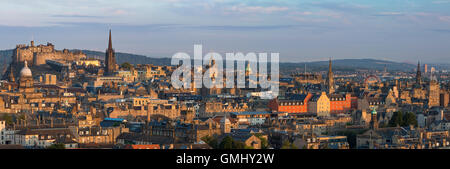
point(229, 143)
point(403, 119)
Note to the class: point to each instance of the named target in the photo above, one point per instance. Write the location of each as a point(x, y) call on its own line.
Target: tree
point(403, 119)
point(264, 142)
point(57, 146)
point(8, 119)
point(211, 141)
point(410, 119)
point(293, 146)
point(126, 66)
point(288, 145)
point(397, 119)
point(227, 143)
point(238, 145)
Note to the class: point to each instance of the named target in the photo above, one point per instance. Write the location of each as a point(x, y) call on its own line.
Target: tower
point(330, 79)
point(433, 93)
point(225, 125)
point(418, 74)
point(110, 59)
point(374, 121)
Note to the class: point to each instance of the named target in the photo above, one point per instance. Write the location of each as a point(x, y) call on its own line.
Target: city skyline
point(404, 31)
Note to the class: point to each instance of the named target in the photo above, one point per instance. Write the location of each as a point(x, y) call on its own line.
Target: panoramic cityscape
point(77, 97)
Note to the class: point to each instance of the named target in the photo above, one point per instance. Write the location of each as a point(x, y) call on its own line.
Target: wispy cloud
point(389, 14)
point(76, 16)
point(444, 18)
point(441, 2)
point(257, 9)
point(342, 7)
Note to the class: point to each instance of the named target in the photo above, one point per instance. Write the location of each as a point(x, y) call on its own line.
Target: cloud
point(389, 14)
point(257, 9)
point(318, 16)
point(119, 12)
point(440, 2)
point(342, 7)
point(76, 16)
point(242, 28)
point(444, 18)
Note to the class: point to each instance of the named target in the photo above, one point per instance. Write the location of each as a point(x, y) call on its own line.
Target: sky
point(300, 30)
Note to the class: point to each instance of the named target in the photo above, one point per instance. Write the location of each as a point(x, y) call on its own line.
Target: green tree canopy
point(126, 65)
point(8, 119)
point(211, 141)
point(227, 143)
point(288, 145)
point(403, 119)
point(264, 142)
point(57, 146)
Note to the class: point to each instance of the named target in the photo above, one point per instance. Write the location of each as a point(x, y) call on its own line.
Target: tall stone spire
point(110, 40)
point(330, 79)
point(110, 59)
point(419, 74)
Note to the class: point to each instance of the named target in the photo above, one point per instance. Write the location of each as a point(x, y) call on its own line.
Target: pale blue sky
point(300, 30)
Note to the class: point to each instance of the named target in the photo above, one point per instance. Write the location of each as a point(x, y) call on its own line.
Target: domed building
point(26, 79)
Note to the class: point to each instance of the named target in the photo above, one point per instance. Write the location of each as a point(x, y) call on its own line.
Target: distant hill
point(5, 59)
point(285, 68)
point(347, 65)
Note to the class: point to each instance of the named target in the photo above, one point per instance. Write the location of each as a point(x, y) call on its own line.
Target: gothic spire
point(110, 59)
point(110, 40)
point(330, 79)
point(419, 74)
point(329, 67)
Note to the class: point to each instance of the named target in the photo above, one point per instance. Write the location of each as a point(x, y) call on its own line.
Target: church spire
point(419, 74)
point(110, 59)
point(110, 40)
point(330, 78)
point(329, 67)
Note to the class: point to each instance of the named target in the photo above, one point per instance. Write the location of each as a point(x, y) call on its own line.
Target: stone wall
point(37, 55)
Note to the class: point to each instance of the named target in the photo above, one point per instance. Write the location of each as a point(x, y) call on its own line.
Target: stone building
point(37, 55)
point(307, 78)
point(433, 94)
point(320, 105)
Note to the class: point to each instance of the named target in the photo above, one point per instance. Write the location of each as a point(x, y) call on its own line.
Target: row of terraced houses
point(322, 104)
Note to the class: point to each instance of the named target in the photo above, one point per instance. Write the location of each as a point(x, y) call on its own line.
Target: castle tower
point(418, 74)
point(110, 59)
point(330, 79)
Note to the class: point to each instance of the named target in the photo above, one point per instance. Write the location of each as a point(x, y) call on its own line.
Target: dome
point(25, 72)
point(374, 111)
